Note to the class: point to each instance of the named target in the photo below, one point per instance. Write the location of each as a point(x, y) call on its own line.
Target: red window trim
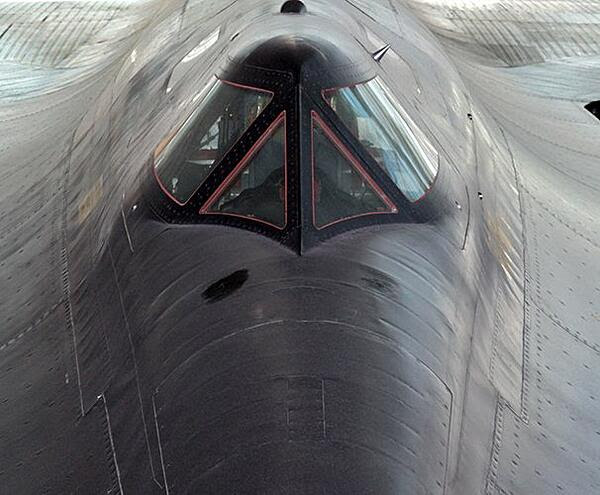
point(245, 86)
point(316, 119)
point(171, 136)
point(325, 93)
point(242, 164)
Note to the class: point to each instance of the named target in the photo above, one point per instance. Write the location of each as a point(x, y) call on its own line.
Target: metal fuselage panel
point(212, 359)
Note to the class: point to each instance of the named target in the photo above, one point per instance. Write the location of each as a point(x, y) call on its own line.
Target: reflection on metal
point(203, 46)
point(90, 200)
point(514, 32)
point(399, 357)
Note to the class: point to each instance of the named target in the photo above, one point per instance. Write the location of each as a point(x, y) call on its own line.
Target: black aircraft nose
point(295, 374)
point(303, 407)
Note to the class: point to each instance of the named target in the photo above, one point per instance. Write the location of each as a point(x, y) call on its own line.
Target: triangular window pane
point(374, 115)
point(341, 188)
point(257, 187)
point(184, 159)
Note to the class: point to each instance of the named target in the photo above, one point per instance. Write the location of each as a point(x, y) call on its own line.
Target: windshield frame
point(168, 139)
point(300, 231)
point(315, 120)
point(408, 121)
point(281, 119)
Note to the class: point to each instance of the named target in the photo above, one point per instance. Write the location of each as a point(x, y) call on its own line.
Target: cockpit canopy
point(268, 150)
point(257, 187)
point(187, 156)
point(376, 118)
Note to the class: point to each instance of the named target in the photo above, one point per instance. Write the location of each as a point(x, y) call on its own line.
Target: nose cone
point(288, 374)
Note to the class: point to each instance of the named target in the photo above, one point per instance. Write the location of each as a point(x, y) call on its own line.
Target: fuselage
point(320, 343)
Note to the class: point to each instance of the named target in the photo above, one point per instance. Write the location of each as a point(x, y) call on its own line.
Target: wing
point(533, 65)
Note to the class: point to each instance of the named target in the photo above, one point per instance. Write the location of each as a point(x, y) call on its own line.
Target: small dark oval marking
point(225, 287)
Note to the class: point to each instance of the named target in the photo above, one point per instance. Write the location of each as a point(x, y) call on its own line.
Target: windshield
point(185, 158)
point(376, 118)
point(257, 186)
point(341, 188)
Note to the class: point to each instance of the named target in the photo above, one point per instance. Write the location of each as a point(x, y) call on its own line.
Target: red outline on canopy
point(316, 118)
point(324, 92)
point(240, 167)
point(174, 133)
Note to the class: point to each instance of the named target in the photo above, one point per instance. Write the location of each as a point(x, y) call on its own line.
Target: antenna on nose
point(293, 7)
point(379, 54)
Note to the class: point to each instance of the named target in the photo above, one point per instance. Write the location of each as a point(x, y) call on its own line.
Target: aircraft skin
point(447, 346)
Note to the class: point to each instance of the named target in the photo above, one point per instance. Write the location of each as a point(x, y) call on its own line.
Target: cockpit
point(377, 119)
point(296, 146)
point(188, 155)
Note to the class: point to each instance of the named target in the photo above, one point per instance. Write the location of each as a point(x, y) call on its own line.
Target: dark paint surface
point(448, 350)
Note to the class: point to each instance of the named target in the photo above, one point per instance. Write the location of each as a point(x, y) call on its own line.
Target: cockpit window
point(257, 187)
point(341, 188)
point(372, 113)
point(185, 158)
